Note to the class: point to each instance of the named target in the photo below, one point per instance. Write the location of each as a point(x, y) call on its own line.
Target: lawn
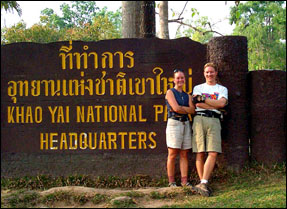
point(256, 186)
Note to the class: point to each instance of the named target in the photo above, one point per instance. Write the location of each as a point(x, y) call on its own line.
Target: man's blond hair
point(210, 64)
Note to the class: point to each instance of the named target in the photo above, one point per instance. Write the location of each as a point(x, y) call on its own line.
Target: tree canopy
point(82, 20)
point(10, 5)
point(264, 25)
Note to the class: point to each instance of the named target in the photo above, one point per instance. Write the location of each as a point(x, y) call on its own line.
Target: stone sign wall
point(267, 116)
point(93, 99)
point(98, 108)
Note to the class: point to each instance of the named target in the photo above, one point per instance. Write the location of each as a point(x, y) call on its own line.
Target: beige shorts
point(178, 134)
point(206, 134)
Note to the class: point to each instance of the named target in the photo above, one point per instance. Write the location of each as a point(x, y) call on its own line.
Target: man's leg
point(209, 165)
point(206, 168)
point(200, 164)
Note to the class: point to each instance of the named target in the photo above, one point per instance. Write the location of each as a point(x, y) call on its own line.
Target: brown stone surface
point(141, 137)
point(268, 116)
point(229, 54)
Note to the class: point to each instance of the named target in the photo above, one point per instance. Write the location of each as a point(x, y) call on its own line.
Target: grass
point(44, 182)
point(133, 194)
point(28, 199)
point(123, 204)
point(267, 195)
point(255, 186)
point(51, 199)
point(21, 199)
point(164, 195)
point(98, 198)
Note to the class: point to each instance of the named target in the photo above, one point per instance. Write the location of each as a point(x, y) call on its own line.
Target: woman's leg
point(172, 153)
point(184, 165)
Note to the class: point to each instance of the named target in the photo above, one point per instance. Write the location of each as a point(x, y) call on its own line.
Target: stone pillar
point(229, 53)
point(268, 116)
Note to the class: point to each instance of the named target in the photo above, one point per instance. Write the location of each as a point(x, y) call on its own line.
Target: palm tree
point(10, 5)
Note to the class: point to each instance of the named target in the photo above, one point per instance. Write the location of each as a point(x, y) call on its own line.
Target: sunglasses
point(178, 70)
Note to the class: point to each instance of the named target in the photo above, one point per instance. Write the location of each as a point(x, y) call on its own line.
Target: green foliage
point(123, 204)
point(50, 199)
point(133, 194)
point(101, 29)
point(47, 181)
point(84, 21)
point(79, 14)
point(256, 186)
point(49, 18)
point(201, 30)
point(37, 33)
point(22, 199)
point(98, 198)
point(198, 28)
point(80, 21)
point(81, 199)
point(10, 5)
point(264, 25)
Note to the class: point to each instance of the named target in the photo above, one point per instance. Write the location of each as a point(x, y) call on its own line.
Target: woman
point(178, 130)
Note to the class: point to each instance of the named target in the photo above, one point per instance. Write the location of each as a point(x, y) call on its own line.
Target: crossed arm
point(177, 108)
point(213, 104)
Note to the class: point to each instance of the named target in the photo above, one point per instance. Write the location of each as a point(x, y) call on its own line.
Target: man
point(208, 98)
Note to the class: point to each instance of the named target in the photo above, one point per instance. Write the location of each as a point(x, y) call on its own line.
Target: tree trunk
point(148, 19)
point(163, 20)
point(131, 19)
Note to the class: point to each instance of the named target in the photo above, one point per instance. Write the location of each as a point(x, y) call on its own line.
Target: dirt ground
point(140, 198)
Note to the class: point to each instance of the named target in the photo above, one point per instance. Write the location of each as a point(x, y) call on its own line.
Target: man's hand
point(198, 99)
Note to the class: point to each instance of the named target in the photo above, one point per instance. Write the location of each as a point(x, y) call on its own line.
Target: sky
point(216, 11)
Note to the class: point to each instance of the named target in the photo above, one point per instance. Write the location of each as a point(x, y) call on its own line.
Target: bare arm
point(217, 104)
point(191, 108)
point(177, 108)
point(212, 104)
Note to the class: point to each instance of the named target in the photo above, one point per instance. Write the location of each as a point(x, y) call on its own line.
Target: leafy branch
point(179, 20)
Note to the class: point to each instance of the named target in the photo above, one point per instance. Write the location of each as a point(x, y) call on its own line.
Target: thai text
point(81, 60)
point(104, 85)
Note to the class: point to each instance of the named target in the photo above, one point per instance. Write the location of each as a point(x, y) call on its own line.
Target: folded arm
point(177, 108)
point(212, 104)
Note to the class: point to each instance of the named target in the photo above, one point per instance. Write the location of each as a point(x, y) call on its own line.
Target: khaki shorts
point(178, 134)
point(206, 134)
